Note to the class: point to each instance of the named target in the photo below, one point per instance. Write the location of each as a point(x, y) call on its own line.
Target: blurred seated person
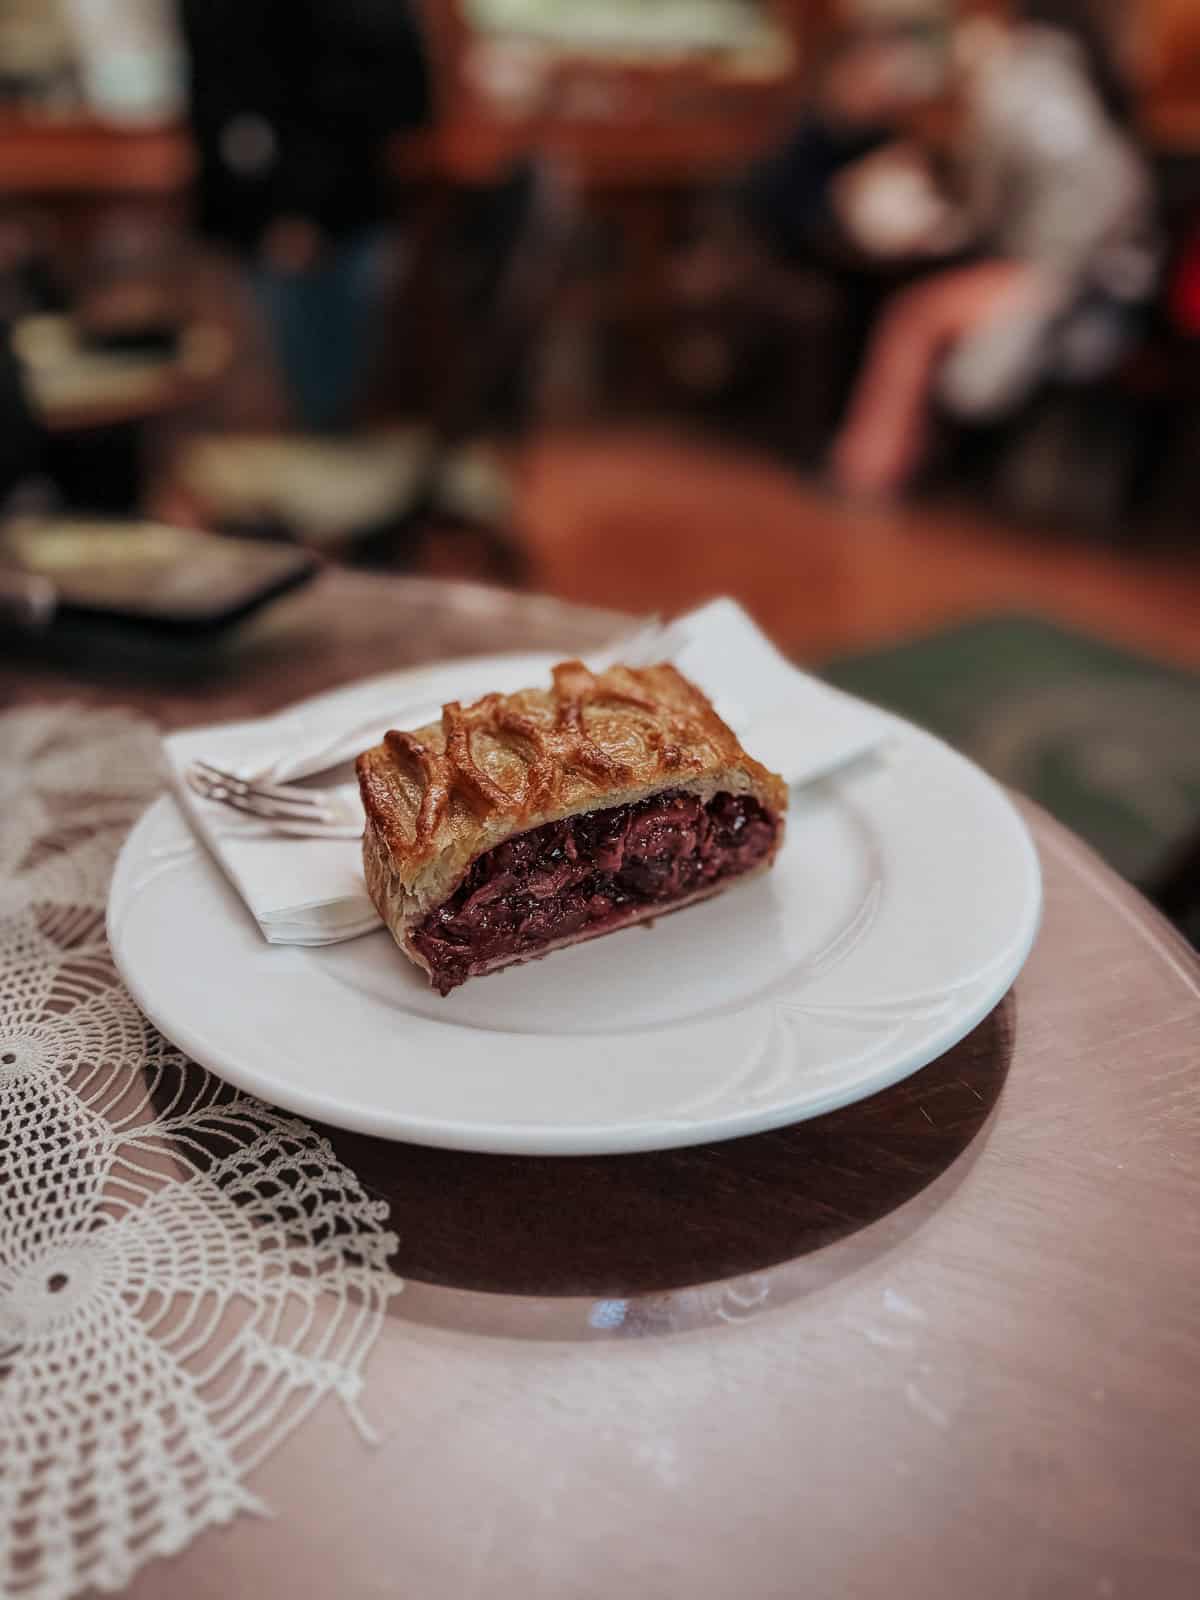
point(1059, 204)
point(821, 228)
point(293, 103)
point(801, 202)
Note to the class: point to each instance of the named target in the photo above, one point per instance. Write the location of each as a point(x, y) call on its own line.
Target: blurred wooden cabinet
point(618, 113)
point(1167, 47)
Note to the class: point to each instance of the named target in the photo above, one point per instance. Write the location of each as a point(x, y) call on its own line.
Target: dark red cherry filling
point(590, 873)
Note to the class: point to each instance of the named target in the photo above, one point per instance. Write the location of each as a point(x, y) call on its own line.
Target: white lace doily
point(184, 1272)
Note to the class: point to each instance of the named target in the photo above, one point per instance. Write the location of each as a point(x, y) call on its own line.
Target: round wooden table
point(944, 1342)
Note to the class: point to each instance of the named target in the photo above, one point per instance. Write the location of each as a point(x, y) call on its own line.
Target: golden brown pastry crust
point(437, 798)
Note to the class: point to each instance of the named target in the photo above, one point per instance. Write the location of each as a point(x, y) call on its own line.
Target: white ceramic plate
point(901, 909)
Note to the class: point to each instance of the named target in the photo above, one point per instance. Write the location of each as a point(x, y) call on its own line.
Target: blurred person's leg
point(987, 318)
point(991, 372)
point(325, 320)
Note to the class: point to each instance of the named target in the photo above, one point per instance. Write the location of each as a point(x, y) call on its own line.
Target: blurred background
point(881, 315)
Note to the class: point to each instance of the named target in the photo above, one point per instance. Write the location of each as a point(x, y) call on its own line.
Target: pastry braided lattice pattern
point(184, 1271)
point(547, 746)
point(509, 756)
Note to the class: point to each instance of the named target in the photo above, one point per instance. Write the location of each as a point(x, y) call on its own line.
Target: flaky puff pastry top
point(437, 798)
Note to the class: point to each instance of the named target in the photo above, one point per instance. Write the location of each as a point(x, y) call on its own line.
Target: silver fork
point(286, 808)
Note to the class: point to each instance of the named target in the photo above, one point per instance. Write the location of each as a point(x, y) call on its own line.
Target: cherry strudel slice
point(535, 820)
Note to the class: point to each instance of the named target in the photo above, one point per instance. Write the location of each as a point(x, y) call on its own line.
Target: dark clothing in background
point(785, 198)
point(291, 104)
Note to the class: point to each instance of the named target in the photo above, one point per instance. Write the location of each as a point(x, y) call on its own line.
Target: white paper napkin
point(787, 719)
point(311, 891)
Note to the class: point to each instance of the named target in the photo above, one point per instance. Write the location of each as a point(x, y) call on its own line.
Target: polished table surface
point(944, 1342)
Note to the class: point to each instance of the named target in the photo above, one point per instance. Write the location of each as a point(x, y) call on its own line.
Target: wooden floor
point(652, 519)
